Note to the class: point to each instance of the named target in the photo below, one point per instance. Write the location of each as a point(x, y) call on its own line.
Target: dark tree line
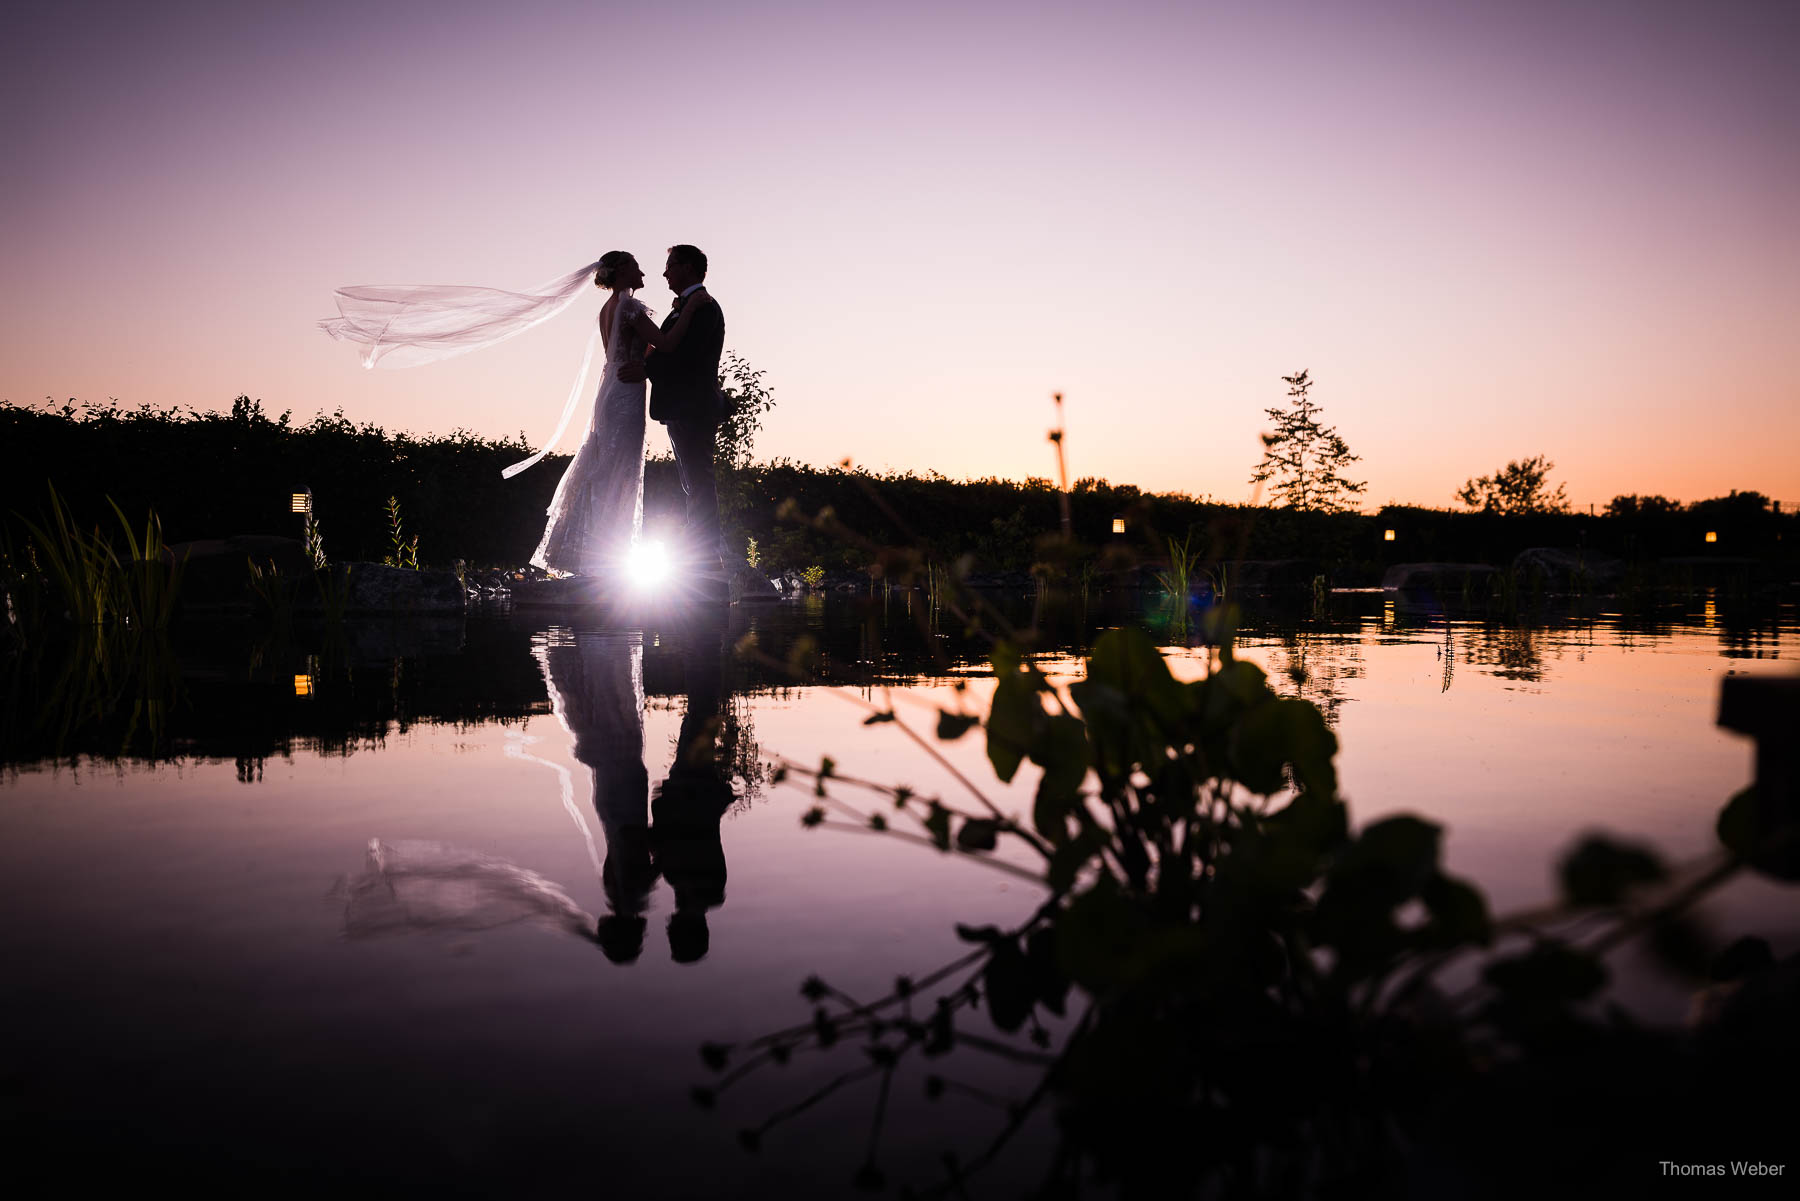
point(210, 475)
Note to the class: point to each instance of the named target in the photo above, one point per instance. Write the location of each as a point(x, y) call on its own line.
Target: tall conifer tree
point(1306, 459)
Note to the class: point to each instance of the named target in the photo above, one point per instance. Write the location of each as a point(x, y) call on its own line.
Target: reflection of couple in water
point(596, 686)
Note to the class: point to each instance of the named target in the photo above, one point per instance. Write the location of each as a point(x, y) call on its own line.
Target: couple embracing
point(596, 516)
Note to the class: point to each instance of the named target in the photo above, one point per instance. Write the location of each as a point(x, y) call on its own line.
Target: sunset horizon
point(1178, 599)
point(1488, 234)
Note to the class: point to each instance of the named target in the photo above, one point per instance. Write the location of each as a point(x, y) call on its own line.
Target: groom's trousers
point(694, 443)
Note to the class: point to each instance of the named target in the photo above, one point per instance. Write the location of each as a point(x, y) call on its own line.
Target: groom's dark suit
point(685, 397)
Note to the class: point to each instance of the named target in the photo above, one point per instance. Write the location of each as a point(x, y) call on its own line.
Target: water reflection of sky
point(185, 930)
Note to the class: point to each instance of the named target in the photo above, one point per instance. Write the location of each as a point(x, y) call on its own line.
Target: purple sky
point(1489, 230)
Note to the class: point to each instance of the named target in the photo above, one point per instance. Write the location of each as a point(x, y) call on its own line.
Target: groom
point(685, 397)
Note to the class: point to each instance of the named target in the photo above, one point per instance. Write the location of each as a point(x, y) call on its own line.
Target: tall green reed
point(94, 584)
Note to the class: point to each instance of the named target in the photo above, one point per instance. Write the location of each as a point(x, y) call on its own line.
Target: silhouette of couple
point(596, 517)
point(596, 686)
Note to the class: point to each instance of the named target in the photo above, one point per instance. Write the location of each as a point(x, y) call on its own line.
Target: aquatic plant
point(334, 593)
point(1178, 580)
point(274, 594)
point(1254, 997)
point(152, 574)
point(94, 584)
point(404, 552)
point(813, 577)
point(312, 540)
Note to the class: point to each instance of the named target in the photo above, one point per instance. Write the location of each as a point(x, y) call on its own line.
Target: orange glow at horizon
point(1506, 233)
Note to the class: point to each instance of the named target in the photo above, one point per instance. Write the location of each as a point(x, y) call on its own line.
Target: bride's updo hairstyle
point(608, 270)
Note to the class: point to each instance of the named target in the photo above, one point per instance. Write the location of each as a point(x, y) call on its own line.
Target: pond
point(444, 906)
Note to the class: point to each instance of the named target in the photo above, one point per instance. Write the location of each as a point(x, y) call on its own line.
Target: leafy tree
point(1740, 505)
point(1522, 486)
point(1305, 458)
point(747, 398)
point(1642, 506)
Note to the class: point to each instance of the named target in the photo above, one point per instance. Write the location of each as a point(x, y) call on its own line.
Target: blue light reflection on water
point(192, 976)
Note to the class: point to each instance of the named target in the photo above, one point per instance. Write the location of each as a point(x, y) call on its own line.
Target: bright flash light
point(647, 564)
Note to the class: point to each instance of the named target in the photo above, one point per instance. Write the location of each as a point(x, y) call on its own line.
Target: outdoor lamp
point(1712, 535)
point(302, 685)
point(1387, 535)
point(1118, 525)
point(303, 502)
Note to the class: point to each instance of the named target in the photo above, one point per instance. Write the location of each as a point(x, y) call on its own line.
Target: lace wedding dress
point(598, 508)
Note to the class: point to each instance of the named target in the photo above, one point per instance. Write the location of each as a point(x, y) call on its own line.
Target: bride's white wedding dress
point(598, 508)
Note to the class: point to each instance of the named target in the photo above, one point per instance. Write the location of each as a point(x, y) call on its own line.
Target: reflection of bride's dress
point(597, 688)
point(598, 507)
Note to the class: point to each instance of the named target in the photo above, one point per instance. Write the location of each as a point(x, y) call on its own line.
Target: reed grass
point(95, 585)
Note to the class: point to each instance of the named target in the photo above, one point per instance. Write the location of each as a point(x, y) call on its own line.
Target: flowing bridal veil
point(406, 325)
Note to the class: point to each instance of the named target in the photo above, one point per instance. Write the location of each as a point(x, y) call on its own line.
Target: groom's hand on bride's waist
point(633, 372)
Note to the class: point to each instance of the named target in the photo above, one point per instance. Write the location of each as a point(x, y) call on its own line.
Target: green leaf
point(1128, 661)
point(1600, 871)
point(1008, 984)
point(1098, 937)
point(1012, 723)
point(1061, 749)
point(978, 834)
point(1391, 860)
point(952, 726)
point(937, 823)
point(1459, 913)
point(1047, 980)
point(1050, 817)
point(1068, 859)
point(1549, 973)
point(1756, 832)
point(942, 1036)
point(1279, 732)
point(1681, 946)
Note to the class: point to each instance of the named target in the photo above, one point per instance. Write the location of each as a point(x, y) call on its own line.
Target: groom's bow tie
point(679, 301)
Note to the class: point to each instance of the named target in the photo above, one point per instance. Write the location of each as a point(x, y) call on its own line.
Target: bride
point(598, 509)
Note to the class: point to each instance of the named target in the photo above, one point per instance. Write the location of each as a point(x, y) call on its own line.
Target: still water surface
point(453, 911)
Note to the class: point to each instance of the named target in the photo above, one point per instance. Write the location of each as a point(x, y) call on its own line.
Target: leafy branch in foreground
point(1257, 1001)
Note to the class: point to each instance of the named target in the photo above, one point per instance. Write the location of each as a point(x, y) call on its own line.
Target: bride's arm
point(667, 340)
